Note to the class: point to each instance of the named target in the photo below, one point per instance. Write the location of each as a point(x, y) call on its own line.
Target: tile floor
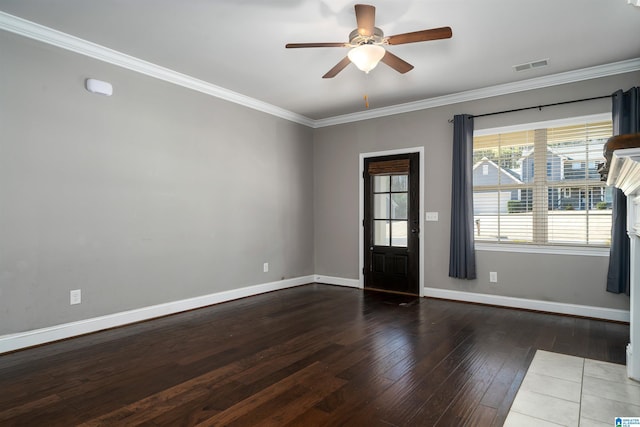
point(561, 390)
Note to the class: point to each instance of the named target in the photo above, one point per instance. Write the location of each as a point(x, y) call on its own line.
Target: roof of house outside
point(506, 171)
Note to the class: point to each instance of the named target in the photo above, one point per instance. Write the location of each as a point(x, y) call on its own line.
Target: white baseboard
point(328, 280)
point(31, 338)
point(530, 304)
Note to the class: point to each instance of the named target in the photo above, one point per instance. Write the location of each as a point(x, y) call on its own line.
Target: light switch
point(431, 216)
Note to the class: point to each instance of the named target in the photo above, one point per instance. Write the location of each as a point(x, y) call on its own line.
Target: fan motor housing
point(357, 39)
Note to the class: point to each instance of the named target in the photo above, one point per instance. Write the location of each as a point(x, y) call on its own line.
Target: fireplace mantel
point(624, 173)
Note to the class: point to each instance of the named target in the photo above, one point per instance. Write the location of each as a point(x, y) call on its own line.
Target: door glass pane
point(381, 206)
point(381, 233)
point(399, 206)
point(380, 183)
point(399, 233)
point(399, 182)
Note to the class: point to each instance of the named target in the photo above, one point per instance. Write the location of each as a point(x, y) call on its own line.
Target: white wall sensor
point(99, 87)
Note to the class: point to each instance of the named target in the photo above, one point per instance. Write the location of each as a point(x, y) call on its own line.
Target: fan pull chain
point(365, 84)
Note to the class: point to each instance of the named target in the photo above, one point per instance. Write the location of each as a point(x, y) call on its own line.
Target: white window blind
point(541, 186)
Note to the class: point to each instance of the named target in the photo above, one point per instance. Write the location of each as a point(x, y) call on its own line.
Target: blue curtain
point(462, 256)
point(626, 119)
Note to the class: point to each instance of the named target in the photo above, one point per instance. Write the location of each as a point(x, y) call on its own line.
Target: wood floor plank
point(313, 355)
point(28, 407)
point(313, 372)
point(339, 406)
point(504, 378)
point(482, 416)
point(468, 398)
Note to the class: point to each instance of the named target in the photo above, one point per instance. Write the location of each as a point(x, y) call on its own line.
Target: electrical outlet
point(493, 276)
point(265, 267)
point(75, 297)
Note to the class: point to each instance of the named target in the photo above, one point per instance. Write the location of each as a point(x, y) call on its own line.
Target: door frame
point(420, 151)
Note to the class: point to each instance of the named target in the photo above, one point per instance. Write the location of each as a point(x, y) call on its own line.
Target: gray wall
point(560, 278)
point(155, 194)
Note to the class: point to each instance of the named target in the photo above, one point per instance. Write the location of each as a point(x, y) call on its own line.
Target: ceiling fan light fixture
point(366, 56)
point(367, 43)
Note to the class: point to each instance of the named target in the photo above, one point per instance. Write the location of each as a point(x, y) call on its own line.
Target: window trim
point(586, 250)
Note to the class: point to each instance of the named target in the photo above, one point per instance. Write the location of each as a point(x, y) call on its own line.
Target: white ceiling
point(239, 44)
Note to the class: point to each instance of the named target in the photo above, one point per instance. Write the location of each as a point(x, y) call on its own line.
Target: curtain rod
point(540, 107)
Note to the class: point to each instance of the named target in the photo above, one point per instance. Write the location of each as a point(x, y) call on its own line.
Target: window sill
point(543, 249)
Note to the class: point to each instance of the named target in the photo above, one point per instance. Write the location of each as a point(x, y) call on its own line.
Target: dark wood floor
point(315, 355)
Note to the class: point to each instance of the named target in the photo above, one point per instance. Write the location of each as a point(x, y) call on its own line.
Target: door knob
point(415, 230)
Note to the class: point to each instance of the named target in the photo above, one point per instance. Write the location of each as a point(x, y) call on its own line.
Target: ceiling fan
point(367, 41)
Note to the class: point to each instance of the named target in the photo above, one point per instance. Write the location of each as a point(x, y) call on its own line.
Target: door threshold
point(391, 292)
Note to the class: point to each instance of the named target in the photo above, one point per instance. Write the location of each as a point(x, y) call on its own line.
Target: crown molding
point(62, 40)
point(66, 41)
point(503, 89)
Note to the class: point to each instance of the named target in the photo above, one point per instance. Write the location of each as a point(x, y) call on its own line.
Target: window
point(543, 186)
point(390, 218)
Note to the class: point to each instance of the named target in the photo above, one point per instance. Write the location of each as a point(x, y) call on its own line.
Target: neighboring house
point(565, 164)
point(580, 166)
point(555, 166)
point(488, 173)
point(555, 172)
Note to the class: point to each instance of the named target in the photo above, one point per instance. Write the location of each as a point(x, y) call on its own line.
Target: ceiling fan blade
point(421, 36)
point(396, 63)
point(298, 45)
point(337, 68)
point(366, 18)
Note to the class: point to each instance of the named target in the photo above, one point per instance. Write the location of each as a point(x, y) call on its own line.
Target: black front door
point(391, 223)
